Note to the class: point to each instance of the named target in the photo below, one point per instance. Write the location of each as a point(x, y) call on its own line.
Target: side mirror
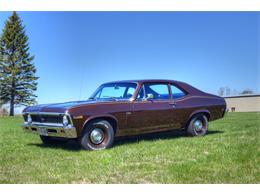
point(149, 96)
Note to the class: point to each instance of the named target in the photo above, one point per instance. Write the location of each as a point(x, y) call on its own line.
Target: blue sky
point(75, 52)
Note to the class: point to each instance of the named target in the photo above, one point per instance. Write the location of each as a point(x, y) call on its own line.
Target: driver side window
point(157, 90)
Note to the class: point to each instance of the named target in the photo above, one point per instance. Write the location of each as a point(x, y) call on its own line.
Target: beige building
point(243, 103)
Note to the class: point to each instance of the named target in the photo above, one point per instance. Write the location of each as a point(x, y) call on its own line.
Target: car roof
point(145, 80)
point(182, 85)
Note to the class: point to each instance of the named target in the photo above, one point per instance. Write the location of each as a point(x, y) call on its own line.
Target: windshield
point(115, 91)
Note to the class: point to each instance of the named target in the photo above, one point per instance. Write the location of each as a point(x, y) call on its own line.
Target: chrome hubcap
point(96, 136)
point(198, 125)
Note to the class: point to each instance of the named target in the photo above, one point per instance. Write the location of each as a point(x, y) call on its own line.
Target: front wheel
point(97, 135)
point(198, 125)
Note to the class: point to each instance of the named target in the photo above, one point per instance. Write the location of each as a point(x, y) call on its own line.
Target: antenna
point(81, 85)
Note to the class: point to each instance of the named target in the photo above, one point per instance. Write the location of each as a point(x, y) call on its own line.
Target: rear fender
point(206, 112)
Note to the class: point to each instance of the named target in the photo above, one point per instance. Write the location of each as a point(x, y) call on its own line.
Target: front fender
point(99, 116)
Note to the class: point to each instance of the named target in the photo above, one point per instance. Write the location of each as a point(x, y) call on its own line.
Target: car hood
point(59, 107)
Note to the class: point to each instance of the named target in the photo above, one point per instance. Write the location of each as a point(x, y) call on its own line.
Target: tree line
point(226, 91)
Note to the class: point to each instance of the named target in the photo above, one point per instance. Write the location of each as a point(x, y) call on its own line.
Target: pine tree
point(17, 72)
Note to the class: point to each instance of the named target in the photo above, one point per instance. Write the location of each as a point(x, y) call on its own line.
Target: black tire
point(195, 128)
point(105, 137)
point(52, 140)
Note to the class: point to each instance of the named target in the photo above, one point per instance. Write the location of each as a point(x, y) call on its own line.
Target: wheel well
point(205, 113)
point(112, 121)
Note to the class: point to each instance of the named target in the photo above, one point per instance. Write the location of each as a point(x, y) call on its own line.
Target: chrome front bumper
point(53, 130)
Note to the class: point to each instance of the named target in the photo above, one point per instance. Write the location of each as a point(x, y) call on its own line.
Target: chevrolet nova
point(126, 108)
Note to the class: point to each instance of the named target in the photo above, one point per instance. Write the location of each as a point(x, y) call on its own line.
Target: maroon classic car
point(126, 108)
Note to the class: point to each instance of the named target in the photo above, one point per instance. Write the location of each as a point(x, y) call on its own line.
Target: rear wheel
point(97, 135)
point(198, 125)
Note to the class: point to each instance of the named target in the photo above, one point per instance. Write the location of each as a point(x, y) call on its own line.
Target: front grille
point(45, 118)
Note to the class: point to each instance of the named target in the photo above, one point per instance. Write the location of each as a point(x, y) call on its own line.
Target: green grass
point(230, 153)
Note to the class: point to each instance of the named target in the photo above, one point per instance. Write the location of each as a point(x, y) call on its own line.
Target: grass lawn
point(229, 153)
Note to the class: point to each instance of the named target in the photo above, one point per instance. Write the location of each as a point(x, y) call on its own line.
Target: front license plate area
point(43, 131)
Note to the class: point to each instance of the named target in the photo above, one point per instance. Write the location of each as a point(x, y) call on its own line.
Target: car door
point(151, 109)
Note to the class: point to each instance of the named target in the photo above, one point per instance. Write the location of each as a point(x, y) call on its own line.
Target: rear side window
point(176, 92)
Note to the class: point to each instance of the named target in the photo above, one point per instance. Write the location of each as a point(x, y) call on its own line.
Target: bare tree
point(228, 91)
point(221, 91)
point(234, 92)
point(247, 91)
point(224, 91)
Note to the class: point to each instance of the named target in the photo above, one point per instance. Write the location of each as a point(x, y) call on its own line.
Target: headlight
point(29, 118)
point(65, 120)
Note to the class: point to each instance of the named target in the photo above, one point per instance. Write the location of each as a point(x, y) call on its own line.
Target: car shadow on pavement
point(73, 145)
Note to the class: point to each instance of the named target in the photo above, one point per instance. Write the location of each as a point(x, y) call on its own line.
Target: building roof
point(243, 96)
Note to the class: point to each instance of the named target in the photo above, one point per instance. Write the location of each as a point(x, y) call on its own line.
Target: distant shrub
point(3, 112)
